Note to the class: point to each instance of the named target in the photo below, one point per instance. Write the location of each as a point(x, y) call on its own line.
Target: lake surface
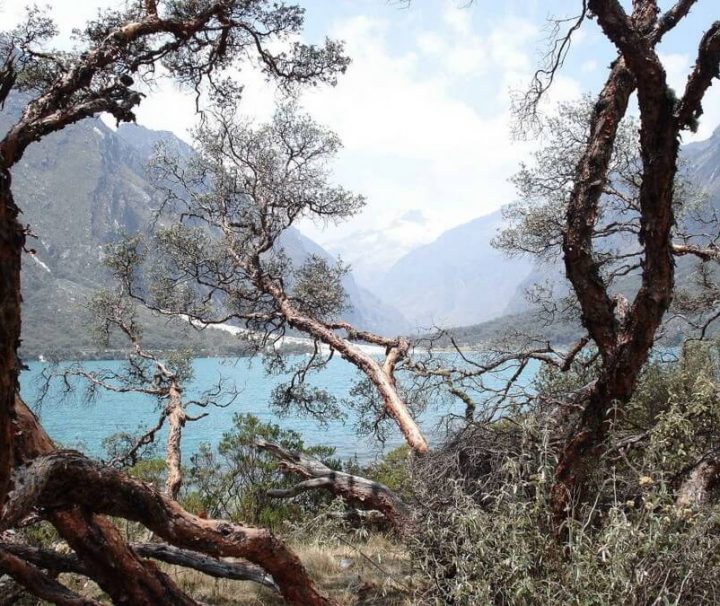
point(74, 423)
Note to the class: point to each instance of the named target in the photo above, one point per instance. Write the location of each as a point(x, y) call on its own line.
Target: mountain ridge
point(498, 288)
point(453, 279)
point(79, 189)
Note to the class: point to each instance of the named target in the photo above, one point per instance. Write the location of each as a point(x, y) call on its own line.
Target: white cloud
point(677, 67)
point(462, 51)
point(419, 136)
point(167, 107)
point(423, 112)
point(457, 18)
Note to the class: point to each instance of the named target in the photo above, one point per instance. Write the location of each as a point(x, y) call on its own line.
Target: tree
point(624, 334)
point(218, 256)
point(606, 201)
point(234, 482)
point(193, 42)
point(164, 379)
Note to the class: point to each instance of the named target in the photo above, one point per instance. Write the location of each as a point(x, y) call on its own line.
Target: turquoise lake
point(74, 423)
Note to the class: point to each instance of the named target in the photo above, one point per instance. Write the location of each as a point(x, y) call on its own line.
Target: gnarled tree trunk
point(108, 559)
point(624, 337)
point(65, 478)
point(12, 240)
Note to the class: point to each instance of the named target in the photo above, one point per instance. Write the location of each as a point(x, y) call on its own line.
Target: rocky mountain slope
point(79, 190)
point(461, 280)
point(458, 279)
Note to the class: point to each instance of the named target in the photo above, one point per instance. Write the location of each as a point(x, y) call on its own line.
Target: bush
point(486, 534)
point(233, 482)
point(623, 555)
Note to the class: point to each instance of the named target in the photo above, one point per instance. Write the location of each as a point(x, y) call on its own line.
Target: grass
point(374, 572)
point(370, 575)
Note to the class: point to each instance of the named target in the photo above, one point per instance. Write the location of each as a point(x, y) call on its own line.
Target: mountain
point(700, 165)
point(79, 189)
point(461, 280)
point(702, 159)
point(458, 279)
point(370, 249)
point(366, 309)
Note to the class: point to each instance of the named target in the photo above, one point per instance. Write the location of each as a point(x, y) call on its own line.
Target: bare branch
point(704, 253)
point(672, 17)
point(350, 487)
point(220, 569)
point(707, 68)
point(40, 584)
point(65, 479)
point(581, 267)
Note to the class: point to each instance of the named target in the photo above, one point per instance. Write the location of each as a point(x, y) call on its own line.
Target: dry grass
point(372, 572)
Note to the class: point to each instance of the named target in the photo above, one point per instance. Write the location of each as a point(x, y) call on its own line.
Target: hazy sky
point(424, 108)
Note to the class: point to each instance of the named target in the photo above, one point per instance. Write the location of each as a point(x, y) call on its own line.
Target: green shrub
point(623, 555)
point(233, 481)
point(485, 530)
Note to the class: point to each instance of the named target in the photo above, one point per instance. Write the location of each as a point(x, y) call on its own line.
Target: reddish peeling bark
point(583, 271)
point(107, 558)
point(581, 266)
point(624, 338)
point(12, 240)
point(381, 375)
point(105, 553)
point(39, 583)
point(66, 478)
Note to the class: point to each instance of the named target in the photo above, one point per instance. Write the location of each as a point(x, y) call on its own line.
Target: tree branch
point(350, 487)
point(707, 68)
point(214, 567)
point(582, 211)
point(40, 584)
point(98, 543)
point(57, 563)
point(615, 23)
point(66, 478)
point(671, 17)
point(704, 253)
